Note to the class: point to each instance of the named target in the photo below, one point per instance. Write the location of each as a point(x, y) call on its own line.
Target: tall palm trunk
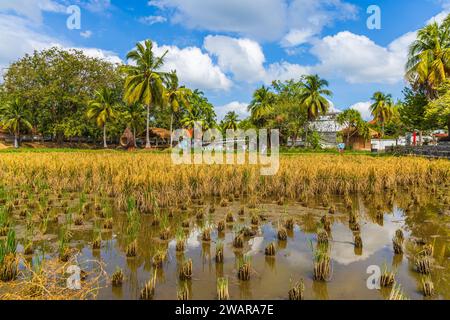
point(16, 140)
point(147, 136)
point(134, 136)
point(105, 145)
point(171, 131)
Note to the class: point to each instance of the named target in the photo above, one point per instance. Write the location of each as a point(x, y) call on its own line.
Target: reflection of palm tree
point(382, 108)
point(231, 121)
point(144, 82)
point(176, 98)
point(103, 109)
point(14, 116)
point(262, 104)
point(429, 57)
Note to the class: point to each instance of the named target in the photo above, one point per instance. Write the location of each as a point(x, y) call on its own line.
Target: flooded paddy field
point(271, 276)
point(211, 234)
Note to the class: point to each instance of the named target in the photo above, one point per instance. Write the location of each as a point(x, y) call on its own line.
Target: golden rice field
point(154, 181)
point(142, 228)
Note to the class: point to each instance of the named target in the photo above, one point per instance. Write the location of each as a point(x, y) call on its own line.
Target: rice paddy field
point(139, 227)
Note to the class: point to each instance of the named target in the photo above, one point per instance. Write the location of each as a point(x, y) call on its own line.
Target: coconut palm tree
point(313, 96)
point(103, 109)
point(261, 105)
point(428, 63)
point(144, 82)
point(14, 116)
point(176, 97)
point(231, 121)
point(193, 117)
point(382, 108)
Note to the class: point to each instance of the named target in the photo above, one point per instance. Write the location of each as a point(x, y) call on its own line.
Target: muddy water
point(272, 277)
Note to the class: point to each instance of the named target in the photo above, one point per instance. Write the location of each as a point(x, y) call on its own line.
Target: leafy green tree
point(412, 110)
point(382, 109)
point(103, 109)
point(200, 111)
point(14, 116)
point(351, 119)
point(428, 63)
point(291, 116)
point(56, 85)
point(438, 111)
point(144, 82)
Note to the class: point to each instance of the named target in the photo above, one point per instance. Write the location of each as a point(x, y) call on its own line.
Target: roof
point(160, 133)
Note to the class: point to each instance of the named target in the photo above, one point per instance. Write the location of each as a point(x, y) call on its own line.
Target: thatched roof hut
point(159, 137)
point(160, 133)
point(357, 140)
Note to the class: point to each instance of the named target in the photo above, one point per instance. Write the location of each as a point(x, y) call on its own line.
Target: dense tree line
point(61, 95)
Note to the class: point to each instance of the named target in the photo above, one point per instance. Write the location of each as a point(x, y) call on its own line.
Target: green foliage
point(412, 110)
point(55, 85)
point(8, 246)
point(438, 111)
point(382, 109)
point(428, 65)
point(200, 111)
point(313, 140)
point(230, 122)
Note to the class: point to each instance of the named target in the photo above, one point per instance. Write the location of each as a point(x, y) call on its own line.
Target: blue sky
point(229, 48)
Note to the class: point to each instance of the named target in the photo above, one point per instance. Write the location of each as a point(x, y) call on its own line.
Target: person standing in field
point(341, 147)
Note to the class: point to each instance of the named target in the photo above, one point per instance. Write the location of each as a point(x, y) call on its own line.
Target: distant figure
point(341, 147)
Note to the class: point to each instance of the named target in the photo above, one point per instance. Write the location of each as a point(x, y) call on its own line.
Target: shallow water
point(272, 277)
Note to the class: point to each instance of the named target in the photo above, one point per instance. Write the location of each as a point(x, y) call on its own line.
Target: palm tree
point(312, 98)
point(176, 98)
point(262, 104)
point(103, 109)
point(231, 121)
point(134, 115)
point(14, 116)
point(382, 108)
point(192, 117)
point(428, 63)
point(144, 82)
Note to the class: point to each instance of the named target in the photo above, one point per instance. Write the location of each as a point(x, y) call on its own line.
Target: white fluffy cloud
point(358, 59)
point(354, 58)
point(364, 109)
point(285, 71)
point(30, 9)
point(244, 58)
point(86, 34)
point(97, 6)
point(19, 36)
point(194, 68)
point(151, 20)
point(261, 20)
point(307, 18)
point(239, 107)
